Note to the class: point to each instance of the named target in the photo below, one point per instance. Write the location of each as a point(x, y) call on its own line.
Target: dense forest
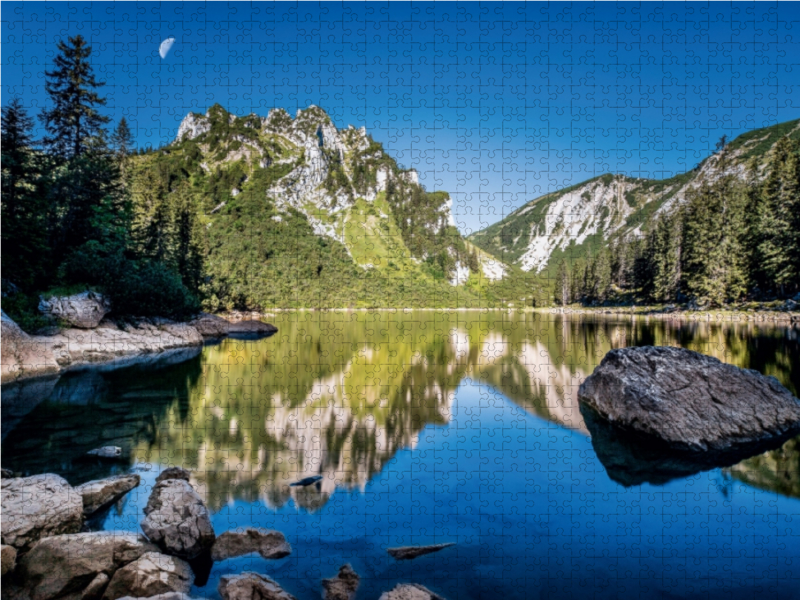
point(733, 238)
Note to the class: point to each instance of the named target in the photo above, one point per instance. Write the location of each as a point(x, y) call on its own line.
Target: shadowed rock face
point(631, 459)
point(343, 586)
point(688, 401)
point(151, 574)
point(100, 493)
point(268, 543)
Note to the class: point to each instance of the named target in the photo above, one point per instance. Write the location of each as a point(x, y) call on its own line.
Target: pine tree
point(562, 285)
point(25, 210)
point(73, 121)
point(189, 243)
point(122, 139)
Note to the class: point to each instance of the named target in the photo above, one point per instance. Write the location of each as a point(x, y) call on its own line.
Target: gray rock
point(84, 310)
point(151, 574)
point(64, 564)
point(250, 328)
point(37, 507)
point(210, 326)
point(173, 473)
point(251, 586)
point(100, 493)
point(109, 452)
point(268, 543)
point(8, 559)
point(177, 520)
point(410, 591)
point(343, 586)
point(409, 552)
point(689, 401)
point(95, 589)
point(6, 473)
point(167, 596)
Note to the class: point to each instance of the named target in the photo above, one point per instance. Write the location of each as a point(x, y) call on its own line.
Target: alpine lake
point(431, 427)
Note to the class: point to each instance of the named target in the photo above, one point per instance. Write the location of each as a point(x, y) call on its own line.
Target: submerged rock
point(100, 493)
point(173, 473)
point(343, 586)
point(177, 520)
point(409, 552)
point(62, 564)
point(268, 543)
point(109, 452)
point(688, 401)
point(410, 591)
point(8, 559)
point(151, 574)
point(84, 310)
point(37, 507)
point(251, 586)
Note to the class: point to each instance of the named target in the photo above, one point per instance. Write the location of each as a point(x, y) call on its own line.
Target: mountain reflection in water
point(339, 394)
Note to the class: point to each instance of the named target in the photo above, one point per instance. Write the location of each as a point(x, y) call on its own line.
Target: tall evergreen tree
point(122, 139)
point(73, 121)
point(25, 210)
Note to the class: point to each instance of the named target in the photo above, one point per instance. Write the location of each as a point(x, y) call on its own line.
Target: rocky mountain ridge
point(572, 222)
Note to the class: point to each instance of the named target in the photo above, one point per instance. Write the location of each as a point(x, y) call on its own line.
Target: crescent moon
point(165, 47)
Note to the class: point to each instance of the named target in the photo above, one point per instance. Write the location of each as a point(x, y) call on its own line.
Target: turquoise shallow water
point(430, 428)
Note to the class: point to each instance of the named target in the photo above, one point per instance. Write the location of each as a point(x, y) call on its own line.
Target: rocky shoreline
point(47, 552)
point(111, 343)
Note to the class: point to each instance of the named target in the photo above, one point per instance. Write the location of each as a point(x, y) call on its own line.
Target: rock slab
point(37, 507)
point(689, 401)
point(268, 543)
point(343, 586)
point(62, 564)
point(149, 575)
point(177, 521)
point(100, 493)
point(409, 552)
point(173, 473)
point(251, 586)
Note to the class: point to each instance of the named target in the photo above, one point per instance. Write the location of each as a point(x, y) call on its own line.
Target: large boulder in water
point(410, 591)
point(343, 586)
point(100, 493)
point(63, 564)
point(687, 401)
point(84, 310)
point(149, 575)
point(37, 507)
point(177, 520)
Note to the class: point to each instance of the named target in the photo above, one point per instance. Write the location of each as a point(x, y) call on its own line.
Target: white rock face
point(37, 507)
point(492, 269)
point(84, 310)
point(460, 274)
point(192, 126)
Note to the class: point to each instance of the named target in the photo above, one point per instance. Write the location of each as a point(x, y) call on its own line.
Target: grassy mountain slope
point(576, 221)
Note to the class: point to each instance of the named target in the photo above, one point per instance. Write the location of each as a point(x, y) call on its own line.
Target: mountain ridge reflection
point(339, 394)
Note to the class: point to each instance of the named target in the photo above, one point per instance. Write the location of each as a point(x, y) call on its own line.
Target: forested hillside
point(724, 232)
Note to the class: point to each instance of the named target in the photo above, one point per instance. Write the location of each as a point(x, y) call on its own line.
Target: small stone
point(343, 586)
point(251, 586)
point(268, 543)
point(110, 452)
point(8, 559)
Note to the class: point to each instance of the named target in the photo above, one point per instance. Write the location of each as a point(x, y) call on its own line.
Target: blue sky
point(496, 103)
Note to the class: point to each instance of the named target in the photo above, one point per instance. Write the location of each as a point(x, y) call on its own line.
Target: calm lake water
point(427, 428)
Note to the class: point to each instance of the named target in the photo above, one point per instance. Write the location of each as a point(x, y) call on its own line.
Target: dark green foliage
point(25, 211)
point(73, 122)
